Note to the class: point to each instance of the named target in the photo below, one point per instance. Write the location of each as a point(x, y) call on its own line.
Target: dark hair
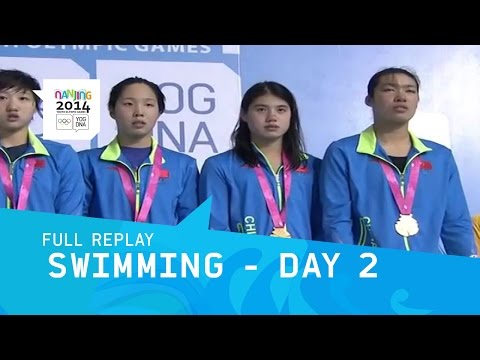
point(19, 80)
point(117, 91)
point(375, 79)
point(293, 144)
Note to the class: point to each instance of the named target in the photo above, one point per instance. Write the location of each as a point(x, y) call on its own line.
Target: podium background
point(204, 84)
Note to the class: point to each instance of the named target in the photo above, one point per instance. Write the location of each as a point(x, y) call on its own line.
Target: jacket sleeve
point(213, 184)
point(89, 186)
point(188, 199)
point(71, 193)
point(457, 232)
point(335, 196)
point(316, 210)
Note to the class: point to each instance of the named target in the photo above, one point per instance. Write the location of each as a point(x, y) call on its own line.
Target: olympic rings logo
point(64, 121)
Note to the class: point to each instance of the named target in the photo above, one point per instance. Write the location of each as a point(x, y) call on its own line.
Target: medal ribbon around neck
point(278, 218)
point(404, 204)
point(26, 182)
point(406, 225)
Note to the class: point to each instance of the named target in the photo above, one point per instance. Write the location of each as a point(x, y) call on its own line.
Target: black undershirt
point(15, 152)
point(399, 162)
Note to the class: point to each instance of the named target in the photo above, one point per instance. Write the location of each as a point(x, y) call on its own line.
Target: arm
point(457, 233)
point(71, 192)
point(89, 186)
point(316, 210)
point(188, 199)
point(335, 197)
point(213, 183)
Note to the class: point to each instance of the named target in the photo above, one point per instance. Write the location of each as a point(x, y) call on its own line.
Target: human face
point(268, 118)
point(136, 111)
point(16, 109)
point(395, 99)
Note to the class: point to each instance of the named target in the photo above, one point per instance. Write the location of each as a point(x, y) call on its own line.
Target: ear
point(243, 116)
point(368, 101)
point(111, 112)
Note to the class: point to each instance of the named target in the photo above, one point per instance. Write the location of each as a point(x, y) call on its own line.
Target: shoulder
point(436, 147)
point(346, 143)
point(223, 158)
point(177, 157)
point(222, 162)
point(55, 148)
point(439, 155)
point(63, 155)
point(342, 148)
point(91, 153)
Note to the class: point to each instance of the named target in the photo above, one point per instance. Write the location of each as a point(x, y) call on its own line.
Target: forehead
point(15, 90)
point(397, 79)
point(269, 100)
point(138, 91)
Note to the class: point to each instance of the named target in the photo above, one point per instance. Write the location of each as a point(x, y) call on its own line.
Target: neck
point(142, 142)
point(272, 149)
point(9, 139)
point(394, 138)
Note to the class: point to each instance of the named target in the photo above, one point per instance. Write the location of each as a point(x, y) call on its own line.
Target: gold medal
point(281, 232)
point(406, 226)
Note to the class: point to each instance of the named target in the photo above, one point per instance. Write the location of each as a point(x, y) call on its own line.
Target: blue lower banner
point(66, 265)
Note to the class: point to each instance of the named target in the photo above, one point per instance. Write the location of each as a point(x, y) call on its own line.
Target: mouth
point(272, 127)
point(138, 124)
point(400, 108)
point(12, 117)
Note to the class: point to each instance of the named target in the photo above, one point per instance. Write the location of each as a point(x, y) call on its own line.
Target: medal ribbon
point(404, 203)
point(278, 218)
point(26, 182)
point(142, 214)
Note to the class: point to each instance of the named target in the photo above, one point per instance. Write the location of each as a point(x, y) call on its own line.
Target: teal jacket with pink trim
point(57, 185)
point(359, 208)
point(175, 198)
point(238, 203)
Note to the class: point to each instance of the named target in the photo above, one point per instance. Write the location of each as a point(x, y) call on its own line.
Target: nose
point(272, 116)
point(12, 104)
point(138, 110)
point(400, 95)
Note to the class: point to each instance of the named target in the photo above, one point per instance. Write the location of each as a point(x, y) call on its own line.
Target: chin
point(140, 133)
point(273, 136)
point(13, 127)
point(402, 119)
